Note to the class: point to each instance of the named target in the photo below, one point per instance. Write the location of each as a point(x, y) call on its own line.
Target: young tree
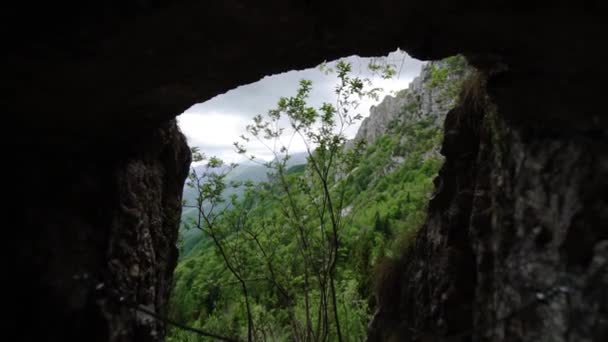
point(289, 232)
point(313, 203)
point(216, 216)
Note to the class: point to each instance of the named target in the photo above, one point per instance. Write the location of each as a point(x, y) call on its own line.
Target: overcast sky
point(216, 124)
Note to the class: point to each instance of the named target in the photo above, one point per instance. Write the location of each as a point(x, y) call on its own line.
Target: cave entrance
point(285, 211)
point(214, 126)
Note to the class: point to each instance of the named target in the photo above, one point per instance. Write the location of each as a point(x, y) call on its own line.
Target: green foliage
point(385, 70)
point(455, 63)
point(438, 75)
point(296, 169)
point(442, 74)
point(291, 258)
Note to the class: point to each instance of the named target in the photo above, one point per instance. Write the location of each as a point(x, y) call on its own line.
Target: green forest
point(287, 250)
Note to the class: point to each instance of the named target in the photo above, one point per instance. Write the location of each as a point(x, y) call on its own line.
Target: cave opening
point(370, 129)
point(96, 162)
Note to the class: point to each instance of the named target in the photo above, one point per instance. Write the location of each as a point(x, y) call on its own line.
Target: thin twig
point(167, 320)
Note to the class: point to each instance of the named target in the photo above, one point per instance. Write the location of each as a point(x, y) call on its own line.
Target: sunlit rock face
point(424, 99)
point(96, 165)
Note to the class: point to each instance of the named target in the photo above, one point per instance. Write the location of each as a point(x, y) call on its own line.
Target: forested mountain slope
point(191, 239)
point(385, 202)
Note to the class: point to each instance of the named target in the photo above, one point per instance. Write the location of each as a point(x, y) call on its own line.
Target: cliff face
point(97, 234)
point(503, 255)
point(520, 203)
point(430, 95)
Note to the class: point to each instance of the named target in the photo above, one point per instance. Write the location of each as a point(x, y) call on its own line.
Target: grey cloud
point(256, 98)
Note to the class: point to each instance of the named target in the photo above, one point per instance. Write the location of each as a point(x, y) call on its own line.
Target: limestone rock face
point(424, 98)
point(380, 117)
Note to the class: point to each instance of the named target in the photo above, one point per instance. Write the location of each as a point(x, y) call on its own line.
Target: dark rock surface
point(514, 246)
point(91, 228)
point(96, 165)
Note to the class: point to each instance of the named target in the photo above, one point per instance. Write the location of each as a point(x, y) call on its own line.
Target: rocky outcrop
point(96, 238)
point(381, 116)
point(430, 96)
point(87, 95)
point(503, 256)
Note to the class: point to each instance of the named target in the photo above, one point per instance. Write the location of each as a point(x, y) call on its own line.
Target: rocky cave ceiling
point(82, 71)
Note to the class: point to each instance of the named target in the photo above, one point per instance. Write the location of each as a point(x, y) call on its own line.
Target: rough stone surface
point(104, 69)
point(504, 255)
point(423, 99)
point(95, 228)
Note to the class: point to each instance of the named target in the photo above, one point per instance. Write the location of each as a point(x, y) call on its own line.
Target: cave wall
point(514, 245)
point(96, 164)
point(95, 233)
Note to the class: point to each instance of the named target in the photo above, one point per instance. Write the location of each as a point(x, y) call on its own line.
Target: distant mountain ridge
point(244, 171)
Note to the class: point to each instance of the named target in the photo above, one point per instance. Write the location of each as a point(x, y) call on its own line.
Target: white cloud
point(215, 124)
point(210, 128)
